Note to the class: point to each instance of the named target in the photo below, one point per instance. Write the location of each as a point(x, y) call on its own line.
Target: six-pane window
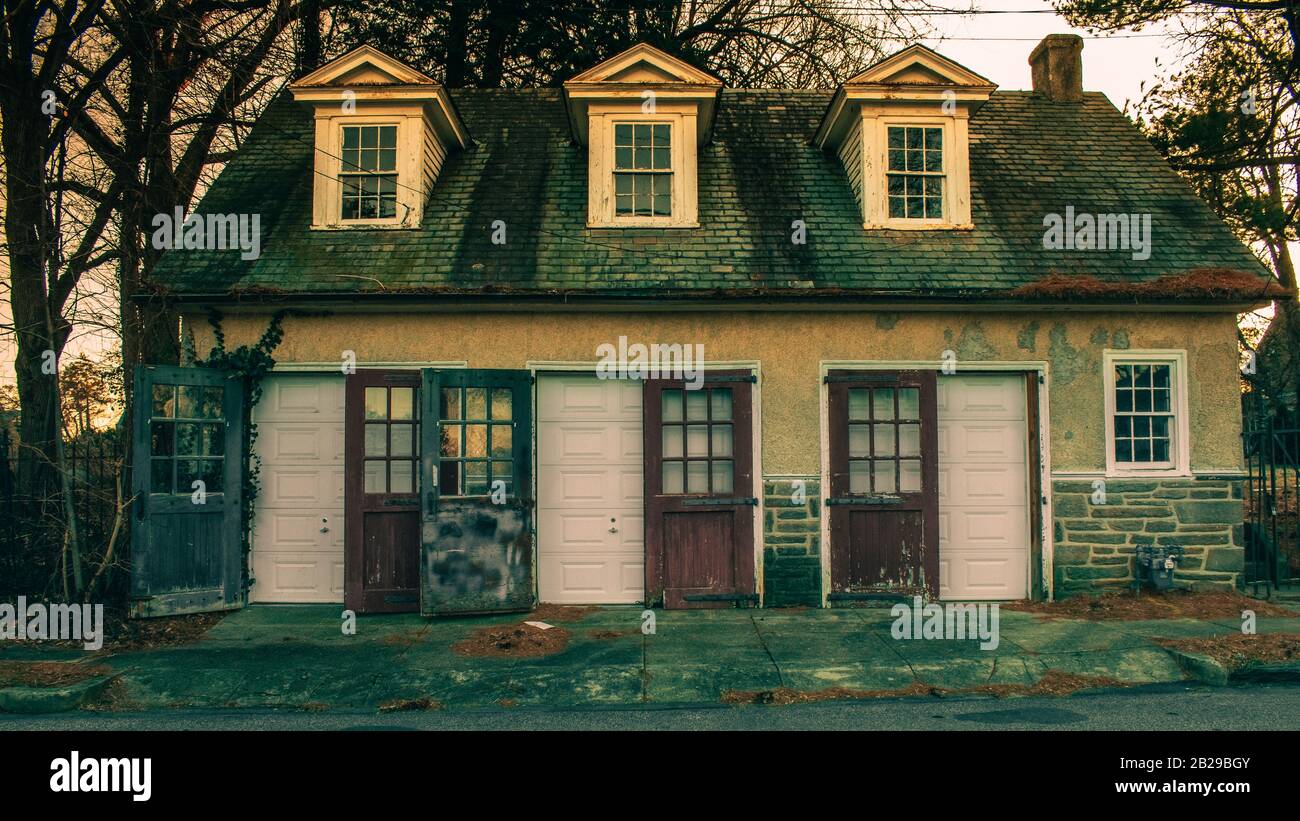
point(884, 440)
point(369, 174)
point(698, 451)
point(643, 171)
point(187, 439)
point(476, 434)
point(392, 439)
point(915, 172)
point(1144, 416)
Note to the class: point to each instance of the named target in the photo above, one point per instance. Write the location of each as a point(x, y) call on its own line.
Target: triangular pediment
point(918, 65)
point(643, 64)
point(364, 66)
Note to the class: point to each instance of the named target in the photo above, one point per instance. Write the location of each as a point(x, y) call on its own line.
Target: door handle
point(325, 527)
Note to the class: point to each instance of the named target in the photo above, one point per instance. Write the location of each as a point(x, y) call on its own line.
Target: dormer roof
point(628, 75)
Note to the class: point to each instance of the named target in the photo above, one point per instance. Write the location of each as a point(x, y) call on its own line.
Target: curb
point(1200, 668)
point(35, 700)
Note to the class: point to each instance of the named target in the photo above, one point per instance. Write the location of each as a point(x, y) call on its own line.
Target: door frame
point(588, 368)
point(1038, 381)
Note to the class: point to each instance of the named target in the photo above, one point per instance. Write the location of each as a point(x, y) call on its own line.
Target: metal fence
point(1272, 449)
point(35, 532)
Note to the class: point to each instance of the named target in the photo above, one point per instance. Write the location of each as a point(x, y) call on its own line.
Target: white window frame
point(614, 171)
point(327, 208)
point(681, 122)
point(343, 174)
point(1179, 463)
point(875, 169)
point(945, 192)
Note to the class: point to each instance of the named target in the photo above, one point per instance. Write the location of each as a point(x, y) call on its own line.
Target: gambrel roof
point(758, 174)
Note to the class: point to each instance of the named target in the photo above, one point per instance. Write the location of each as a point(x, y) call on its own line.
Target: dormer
point(901, 131)
point(642, 116)
point(383, 131)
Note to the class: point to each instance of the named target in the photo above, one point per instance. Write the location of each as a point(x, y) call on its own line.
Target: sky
point(996, 45)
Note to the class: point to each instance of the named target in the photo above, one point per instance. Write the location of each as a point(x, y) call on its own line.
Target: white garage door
point(590, 515)
point(983, 487)
point(298, 521)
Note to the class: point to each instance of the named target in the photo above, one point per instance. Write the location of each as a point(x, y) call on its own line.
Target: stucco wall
point(790, 345)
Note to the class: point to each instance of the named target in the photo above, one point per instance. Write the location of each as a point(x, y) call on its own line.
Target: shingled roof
point(1029, 156)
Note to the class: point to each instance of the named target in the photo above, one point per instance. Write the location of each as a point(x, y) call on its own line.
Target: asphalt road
point(1159, 707)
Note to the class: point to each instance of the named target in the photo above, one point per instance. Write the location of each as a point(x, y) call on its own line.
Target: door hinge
point(750, 500)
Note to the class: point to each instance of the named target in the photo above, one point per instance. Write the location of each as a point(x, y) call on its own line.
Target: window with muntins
point(1144, 418)
point(369, 174)
point(187, 439)
point(643, 172)
point(698, 433)
point(915, 172)
point(884, 440)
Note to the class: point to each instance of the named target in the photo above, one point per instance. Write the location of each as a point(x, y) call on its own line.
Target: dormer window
point(383, 131)
point(369, 172)
point(643, 170)
point(901, 130)
point(914, 175)
point(642, 116)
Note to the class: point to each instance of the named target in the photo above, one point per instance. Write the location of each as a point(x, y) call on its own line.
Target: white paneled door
point(983, 487)
point(298, 520)
point(590, 486)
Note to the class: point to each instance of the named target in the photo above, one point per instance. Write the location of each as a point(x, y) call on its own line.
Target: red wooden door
point(381, 499)
point(699, 480)
point(884, 489)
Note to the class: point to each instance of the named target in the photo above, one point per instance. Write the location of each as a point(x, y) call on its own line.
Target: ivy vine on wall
point(250, 364)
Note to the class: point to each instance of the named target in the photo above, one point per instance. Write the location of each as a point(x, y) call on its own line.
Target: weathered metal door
point(476, 479)
point(699, 476)
point(186, 551)
point(884, 494)
point(381, 499)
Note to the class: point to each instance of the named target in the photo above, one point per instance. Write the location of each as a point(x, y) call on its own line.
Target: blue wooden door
point(476, 484)
point(186, 550)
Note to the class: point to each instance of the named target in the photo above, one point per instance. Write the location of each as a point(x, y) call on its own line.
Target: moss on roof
point(1029, 157)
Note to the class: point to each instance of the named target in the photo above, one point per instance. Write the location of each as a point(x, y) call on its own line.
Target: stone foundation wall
point(1096, 534)
point(792, 569)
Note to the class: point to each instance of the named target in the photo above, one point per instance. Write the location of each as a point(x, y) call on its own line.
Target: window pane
point(859, 481)
point(1141, 450)
point(884, 440)
point(1160, 426)
point(721, 400)
point(859, 440)
point(1142, 401)
point(476, 403)
point(883, 406)
point(661, 135)
point(388, 136)
point(403, 400)
point(400, 477)
point(476, 479)
point(211, 471)
point(1141, 426)
point(164, 400)
point(502, 469)
point(1124, 400)
point(672, 437)
point(376, 476)
point(671, 403)
point(1123, 450)
point(909, 479)
point(697, 477)
point(450, 407)
point(161, 441)
point(501, 404)
point(207, 402)
point(450, 441)
point(721, 440)
point(160, 476)
point(1142, 376)
point(351, 137)
point(622, 135)
point(722, 480)
point(884, 477)
point(1123, 376)
point(859, 403)
point(376, 403)
point(909, 403)
point(1160, 450)
point(187, 440)
point(502, 436)
point(895, 137)
point(909, 440)
point(622, 159)
point(213, 440)
point(1160, 376)
point(673, 481)
point(187, 472)
point(403, 440)
point(449, 478)
point(376, 440)
point(1123, 426)
point(475, 441)
point(1160, 399)
point(697, 440)
point(697, 406)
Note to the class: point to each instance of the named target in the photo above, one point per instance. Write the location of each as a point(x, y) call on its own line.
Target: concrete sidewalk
point(297, 657)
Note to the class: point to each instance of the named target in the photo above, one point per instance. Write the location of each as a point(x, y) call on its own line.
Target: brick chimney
point(1057, 68)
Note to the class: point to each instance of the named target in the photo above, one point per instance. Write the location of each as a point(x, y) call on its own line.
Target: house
point(645, 338)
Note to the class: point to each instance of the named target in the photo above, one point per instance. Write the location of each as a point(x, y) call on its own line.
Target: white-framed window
point(1146, 412)
point(368, 173)
point(914, 172)
point(643, 169)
